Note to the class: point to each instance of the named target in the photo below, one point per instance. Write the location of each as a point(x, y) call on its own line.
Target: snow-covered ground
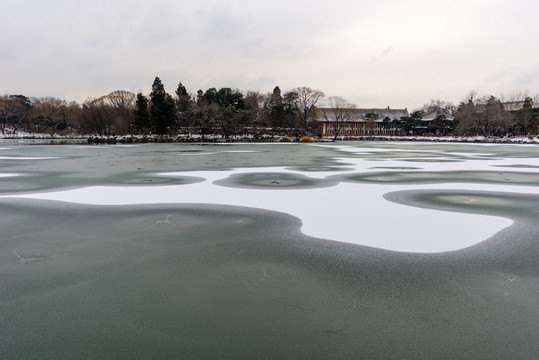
point(460, 139)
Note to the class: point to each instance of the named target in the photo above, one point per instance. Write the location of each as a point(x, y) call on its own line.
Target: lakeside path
point(125, 262)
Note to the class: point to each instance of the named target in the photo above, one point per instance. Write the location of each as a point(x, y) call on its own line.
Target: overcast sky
point(373, 53)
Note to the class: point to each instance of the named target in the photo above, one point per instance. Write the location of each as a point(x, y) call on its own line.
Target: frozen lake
point(348, 250)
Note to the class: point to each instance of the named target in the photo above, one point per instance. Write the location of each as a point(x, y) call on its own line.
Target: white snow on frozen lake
point(26, 158)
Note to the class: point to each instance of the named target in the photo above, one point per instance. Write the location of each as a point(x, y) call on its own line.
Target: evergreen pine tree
point(184, 106)
point(162, 110)
point(526, 118)
point(142, 116)
point(276, 108)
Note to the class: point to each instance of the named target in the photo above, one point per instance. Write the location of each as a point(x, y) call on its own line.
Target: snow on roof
point(517, 105)
point(434, 114)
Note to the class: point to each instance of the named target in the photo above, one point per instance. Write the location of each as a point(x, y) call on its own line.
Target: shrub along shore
point(143, 139)
point(306, 139)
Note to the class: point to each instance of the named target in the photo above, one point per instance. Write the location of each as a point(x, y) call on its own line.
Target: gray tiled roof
point(434, 114)
point(516, 105)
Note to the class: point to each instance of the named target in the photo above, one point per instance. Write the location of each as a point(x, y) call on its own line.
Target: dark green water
point(194, 281)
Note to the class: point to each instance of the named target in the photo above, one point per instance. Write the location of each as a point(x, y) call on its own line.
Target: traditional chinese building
point(360, 122)
point(436, 122)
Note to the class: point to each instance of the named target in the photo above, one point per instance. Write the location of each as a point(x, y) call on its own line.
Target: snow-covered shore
point(459, 139)
point(123, 139)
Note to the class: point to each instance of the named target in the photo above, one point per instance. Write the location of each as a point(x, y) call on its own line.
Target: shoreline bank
point(143, 139)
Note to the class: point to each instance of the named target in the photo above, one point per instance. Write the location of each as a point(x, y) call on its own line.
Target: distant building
point(437, 122)
point(514, 106)
point(361, 122)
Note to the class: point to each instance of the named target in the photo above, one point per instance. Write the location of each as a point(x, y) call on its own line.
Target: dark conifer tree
point(276, 108)
point(210, 96)
point(526, 118)
point(184, 106)
point(162, 108)
point(142, 116)
point(184, 99)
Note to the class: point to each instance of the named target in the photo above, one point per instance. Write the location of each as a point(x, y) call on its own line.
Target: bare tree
point(97, 117)
point(122, 104)
point(307, 99)
point(439, 107)
point(48, 114)
point(472, 96)
point(206, 116)
point(13, 111)
point(338, 114)
point(111, 114)
point(256, 106)
point(518, 95)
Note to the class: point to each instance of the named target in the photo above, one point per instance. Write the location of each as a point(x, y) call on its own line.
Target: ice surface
point(348, 211)
point(209, 281)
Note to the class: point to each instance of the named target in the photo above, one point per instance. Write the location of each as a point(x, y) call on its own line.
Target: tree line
point(227, 112)
point(224, 112)
point(489, 116)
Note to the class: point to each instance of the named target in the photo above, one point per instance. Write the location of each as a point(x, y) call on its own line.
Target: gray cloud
point(380, 53)
point(528, 78)
point(222, 25)
point(384, 53)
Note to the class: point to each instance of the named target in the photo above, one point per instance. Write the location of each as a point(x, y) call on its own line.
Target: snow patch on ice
point(28, 158)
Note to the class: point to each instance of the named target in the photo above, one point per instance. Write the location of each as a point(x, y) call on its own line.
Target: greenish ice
point(194, 280)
